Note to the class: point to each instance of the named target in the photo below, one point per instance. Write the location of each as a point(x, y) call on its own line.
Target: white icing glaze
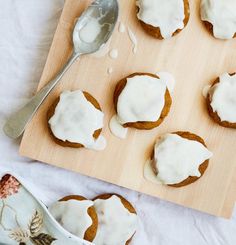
point(90, 31)
point(122, 27)
point(222, 15)
point(149, 174)
point(109, 70)
point(116, 224)
point(76, 119)
point(117, 129)
point(134, 41)
point(73, 215)
point(168, 79)
point(205, 90)
point(223, 98)
point(113, 54)
point(100, 144)
point(177, 158)
point(167, 15)
point(142, 99)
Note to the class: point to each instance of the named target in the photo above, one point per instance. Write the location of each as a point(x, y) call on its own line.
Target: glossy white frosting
point(90, 31)
point(134, 40)
point(114, 54)
point(167, 15)
point(117, 129)
point(168, 78)
point(177, 158)
point(76, 119)
point(222, 15)
point(142, 99)
point(122, 27)
point(223, 98)
point(73, 215)
point(116, 224)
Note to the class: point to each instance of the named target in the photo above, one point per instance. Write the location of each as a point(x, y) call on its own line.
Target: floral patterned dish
point(25, 220)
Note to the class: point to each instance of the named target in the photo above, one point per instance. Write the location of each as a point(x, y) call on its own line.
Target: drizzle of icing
point(149, 174)
point(73, 215)
point(134, 41)
point(168, 79)
point(109, 70)
point(113, 54)
point(223, 98)
point(76, 119)
point(90, 31)
point(222, 15)
point(116, 224)
point(177, 158)
point(167, 15)
point(122, 27)
point(117, 129)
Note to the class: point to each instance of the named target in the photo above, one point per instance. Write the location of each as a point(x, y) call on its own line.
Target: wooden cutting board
point(194, 57)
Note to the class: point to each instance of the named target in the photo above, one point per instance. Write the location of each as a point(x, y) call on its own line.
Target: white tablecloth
point(26, 31)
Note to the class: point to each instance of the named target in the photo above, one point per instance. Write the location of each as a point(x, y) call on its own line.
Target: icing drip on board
point(116, 224)
point(222, 15)
point(149, 173)
point(76, 119)
point(223, 98)
point(134, 41)
point(169, 80)
point(167, 15)
point(117, 129)
point(121, 27)
point(109, 70)
point(113, 54)
point(73, 215)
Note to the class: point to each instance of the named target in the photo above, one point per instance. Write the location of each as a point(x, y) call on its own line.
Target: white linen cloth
point(26, 31)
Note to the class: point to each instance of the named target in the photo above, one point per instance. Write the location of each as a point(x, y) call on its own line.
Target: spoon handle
point(16, 124)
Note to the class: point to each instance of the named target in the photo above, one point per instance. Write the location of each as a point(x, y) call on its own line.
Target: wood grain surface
point(194, 57)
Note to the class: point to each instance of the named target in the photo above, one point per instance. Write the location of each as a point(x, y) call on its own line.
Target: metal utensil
point(105, 12)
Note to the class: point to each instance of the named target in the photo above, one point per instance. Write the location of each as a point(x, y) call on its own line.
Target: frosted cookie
point(163, 19)
point(221, 100)
point(178, 159)
point(77, 215)
point(117, 220)
point(76, 120)
point(219, 17)
point(142, 101)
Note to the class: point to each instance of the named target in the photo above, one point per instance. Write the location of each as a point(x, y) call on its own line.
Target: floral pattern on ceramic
point(24, 220)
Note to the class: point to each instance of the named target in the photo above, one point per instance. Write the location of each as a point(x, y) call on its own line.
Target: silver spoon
point(104, 12)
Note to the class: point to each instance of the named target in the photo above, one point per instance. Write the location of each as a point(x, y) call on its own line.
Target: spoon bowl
point(92, 30)
point(95, 26)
